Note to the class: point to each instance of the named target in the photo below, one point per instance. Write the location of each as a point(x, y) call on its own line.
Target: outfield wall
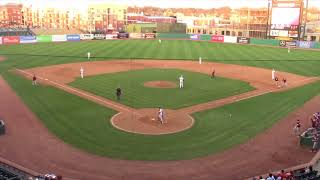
point(8, 40)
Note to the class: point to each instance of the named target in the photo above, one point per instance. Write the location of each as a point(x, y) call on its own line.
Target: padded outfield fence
point(6, 40)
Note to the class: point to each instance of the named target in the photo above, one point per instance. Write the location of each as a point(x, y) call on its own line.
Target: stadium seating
point(15, 31)
point(45, 31)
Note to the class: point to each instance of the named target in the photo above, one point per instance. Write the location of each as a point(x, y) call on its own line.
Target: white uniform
point(289, 48)
point(81, 72)
point(273, 74)
point(160, 115)
point(89, 54)
point(160, 41)
point(181, 80)
point(200, 60)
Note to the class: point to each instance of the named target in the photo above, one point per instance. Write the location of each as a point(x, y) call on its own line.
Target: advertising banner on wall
point(306, 44)
point(149, 35)
point(73, 37)
point(216, 38)
point(230, 39)
point(113, 36)
point(28, 39)
point(195, 37)
point(86, 36)
point(99, 36)
point(44, 38)
point(243, 40)
point(59, 38)
point(136, 35)
point(11, 40)
point(0, 40)
point(123, 35)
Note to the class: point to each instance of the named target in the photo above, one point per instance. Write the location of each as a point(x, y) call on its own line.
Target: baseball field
point(222, 122)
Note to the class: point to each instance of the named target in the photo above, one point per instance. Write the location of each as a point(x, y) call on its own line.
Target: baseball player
point(161, 115)
point(81, 72)
point(89, 55)
point(289, 47)
point(273, 74)
point(159, 41)
point(200, 60)
point(34, 80)
point(213, 73)
point(181, 81)
point(118, 93)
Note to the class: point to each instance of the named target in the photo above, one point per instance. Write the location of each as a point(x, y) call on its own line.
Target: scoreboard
point(285, 18)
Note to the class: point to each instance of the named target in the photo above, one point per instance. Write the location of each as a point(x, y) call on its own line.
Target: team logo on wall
point(283, 43)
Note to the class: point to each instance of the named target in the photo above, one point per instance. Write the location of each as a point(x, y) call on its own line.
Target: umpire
point(118, 93)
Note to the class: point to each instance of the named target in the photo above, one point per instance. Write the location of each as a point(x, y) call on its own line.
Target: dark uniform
point(118, 93)
point(213, 74)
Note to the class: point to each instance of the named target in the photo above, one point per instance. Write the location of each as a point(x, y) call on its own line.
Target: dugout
point(2, 127)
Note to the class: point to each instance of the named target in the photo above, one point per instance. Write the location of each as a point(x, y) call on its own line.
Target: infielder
point(181, 81)
point(88, 54)
point(273, 74)
point(81, 72)
point(200, 60)
point(161, 115)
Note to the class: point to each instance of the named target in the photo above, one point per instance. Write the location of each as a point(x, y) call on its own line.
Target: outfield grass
point(85, 124)
point(302, 62)
point(198, 88)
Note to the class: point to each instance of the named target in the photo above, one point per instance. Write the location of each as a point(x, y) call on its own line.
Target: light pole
point(268, 18)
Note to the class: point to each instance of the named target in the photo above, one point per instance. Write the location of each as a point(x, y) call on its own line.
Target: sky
point(82, 4)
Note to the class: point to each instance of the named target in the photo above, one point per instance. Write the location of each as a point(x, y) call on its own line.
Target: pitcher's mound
point(145, 121)
point(160, 84)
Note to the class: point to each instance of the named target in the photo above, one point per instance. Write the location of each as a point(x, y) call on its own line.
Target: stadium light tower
point(268, 18)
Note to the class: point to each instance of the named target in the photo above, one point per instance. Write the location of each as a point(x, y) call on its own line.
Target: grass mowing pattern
point(198, 88)
point(302, 62)
point(84, 124)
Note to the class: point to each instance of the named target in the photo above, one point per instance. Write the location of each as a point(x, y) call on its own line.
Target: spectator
point(296, 128)
point(315, 140)
point(270, 177)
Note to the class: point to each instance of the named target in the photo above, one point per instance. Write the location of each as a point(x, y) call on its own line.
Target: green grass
point(198, 88)
point(302, 62)
point(85, 124)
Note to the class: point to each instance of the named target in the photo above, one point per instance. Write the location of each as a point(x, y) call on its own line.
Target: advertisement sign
point(73, 37)
point(149, 35)
point(305, 44)
point(285, 18)
point(99, 36)
point(0, 40)
point(59, 38)
point(216, 38)
point(293, 34)
point(194, 36)
point(230, 39)
point(123, 35)
point(44, 38)
point(284, 33)
point(243, 40)
point(292, 43)
point(86, 36)
point(283, 43)
point(274, 33)
point(27, 39)
point(136, 35)
point(111, 36)
point(11, 40)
